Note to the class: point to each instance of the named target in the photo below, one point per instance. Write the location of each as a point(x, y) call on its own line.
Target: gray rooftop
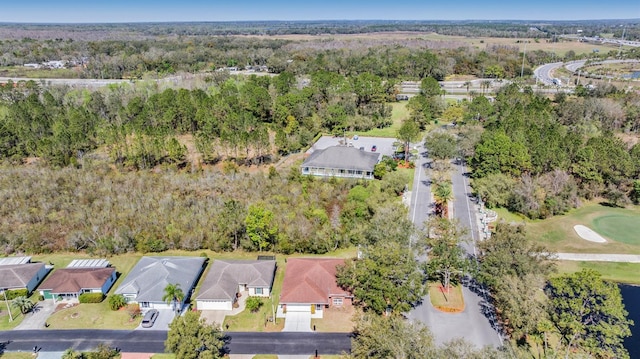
point(225, 275)
point(340, 157)
point(18, 275)
point(151, 275)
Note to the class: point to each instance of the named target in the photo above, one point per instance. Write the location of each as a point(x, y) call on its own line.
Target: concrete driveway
point(297, 322)
point(38, 316)
point(165, 317)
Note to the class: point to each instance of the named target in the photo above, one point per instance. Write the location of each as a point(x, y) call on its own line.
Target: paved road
point(544, 73)
point(593, 257)
point(421, 204)
point(153, 341)
point(472, 324)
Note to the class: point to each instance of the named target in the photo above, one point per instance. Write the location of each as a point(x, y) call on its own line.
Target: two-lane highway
point(141, 341)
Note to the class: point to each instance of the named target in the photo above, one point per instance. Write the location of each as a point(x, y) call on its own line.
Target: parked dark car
point(149, 318)
point(374, 148)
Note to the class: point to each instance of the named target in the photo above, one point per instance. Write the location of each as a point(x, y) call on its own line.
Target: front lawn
point(246, 321)
point(5, 323)
point(335, 320)
point(91, 316)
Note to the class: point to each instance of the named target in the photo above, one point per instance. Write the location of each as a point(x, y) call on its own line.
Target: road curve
point(544, 73)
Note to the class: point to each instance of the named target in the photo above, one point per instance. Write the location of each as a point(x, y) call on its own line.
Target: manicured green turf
point(621, 227)
point(614, 271)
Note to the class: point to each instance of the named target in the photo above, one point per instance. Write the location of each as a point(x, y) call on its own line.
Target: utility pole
point(4, 291)
point(523, 57)
point(621, 41)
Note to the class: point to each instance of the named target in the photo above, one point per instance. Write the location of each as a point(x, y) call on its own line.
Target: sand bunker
point(588, 234)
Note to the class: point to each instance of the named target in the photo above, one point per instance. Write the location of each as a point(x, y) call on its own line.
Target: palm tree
point(173, 295)
point(442, 193)
point(23, 303)
point(467, 84)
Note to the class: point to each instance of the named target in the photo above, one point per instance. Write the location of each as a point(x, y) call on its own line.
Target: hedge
point(13, 294)
point(91, 297)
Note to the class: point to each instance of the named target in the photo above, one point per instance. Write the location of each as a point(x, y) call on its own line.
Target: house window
point(319, 306)
point(337, 301)
point(144, 305)
point(258, 291)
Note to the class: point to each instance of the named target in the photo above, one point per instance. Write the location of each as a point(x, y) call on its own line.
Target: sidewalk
point(595, 257)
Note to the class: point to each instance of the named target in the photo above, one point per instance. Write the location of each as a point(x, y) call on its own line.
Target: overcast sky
point(62, 11)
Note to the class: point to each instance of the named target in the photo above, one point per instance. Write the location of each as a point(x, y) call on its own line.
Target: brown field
point(559, 48)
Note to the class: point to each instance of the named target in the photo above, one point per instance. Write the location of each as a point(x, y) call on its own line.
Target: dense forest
point(539, 157)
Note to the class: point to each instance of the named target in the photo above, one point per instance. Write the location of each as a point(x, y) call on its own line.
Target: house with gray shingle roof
point(340, 161)
point(229, 278)
point(146, 282)
point(21, 273)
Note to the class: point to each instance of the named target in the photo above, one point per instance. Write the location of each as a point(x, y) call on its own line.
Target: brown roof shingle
point(72, 280)
point(311, 281)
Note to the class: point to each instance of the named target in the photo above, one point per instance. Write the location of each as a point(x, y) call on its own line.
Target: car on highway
point(149, 318)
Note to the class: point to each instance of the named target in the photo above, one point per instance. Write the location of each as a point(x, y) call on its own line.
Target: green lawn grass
point(618, 272)
point(618, 225)
point(622, 227)
point(91, 316)
point(398, 114)
point(164, 356)
point(452, 302)
point(246, 321)
point(16, 355)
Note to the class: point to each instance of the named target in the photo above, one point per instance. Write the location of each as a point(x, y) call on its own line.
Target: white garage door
point(299, 308)
point(213, 305)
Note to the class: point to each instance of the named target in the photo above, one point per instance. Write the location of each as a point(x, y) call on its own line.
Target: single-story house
point(227, 279)
point(310, 286)
point(21, 273)
point(95, 276)
point(341, 161)
point(147, 280)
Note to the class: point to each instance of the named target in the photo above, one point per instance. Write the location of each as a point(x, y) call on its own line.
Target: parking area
point(383, 145)
point(165, 317)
